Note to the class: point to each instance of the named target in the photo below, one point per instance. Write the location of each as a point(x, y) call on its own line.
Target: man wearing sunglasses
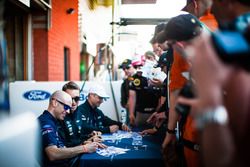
point(129, 71)
point(54, 151)
point(93, 118)
point(70, 128)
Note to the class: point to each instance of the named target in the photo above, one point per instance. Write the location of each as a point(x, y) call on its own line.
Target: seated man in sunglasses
point(70, 127)
point(54, 151)
point(93, 118)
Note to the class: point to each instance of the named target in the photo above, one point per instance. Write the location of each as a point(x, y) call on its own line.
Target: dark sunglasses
point(76, 99)
point(65, 106)
point(126, 68)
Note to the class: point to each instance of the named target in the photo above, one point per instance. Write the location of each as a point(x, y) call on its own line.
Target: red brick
point(49, 45)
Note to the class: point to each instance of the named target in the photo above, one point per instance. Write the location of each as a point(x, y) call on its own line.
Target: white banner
point(34, 96)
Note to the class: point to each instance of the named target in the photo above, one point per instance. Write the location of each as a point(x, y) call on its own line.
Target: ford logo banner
point(36, 95)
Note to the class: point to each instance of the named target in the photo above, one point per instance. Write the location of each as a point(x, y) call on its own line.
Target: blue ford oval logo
point(36, 95)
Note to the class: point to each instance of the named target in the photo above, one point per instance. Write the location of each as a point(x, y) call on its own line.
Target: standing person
point(155, 45)
point(54, 151)
point(93, 118)
point(129, 71)
point(222, 108)
point(70, 128)
point(203, 12)
point(159, 117)
point(143, 98)
point(178, 32)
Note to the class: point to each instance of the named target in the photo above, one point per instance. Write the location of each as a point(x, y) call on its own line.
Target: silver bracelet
point(216, 115)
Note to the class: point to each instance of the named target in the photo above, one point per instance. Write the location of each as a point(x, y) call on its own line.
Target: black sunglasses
point(126, 67)
point(65, 106)
point(76, 99)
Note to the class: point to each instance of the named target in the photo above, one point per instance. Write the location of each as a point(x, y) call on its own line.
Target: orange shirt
point(177, 81)
point(209, 20)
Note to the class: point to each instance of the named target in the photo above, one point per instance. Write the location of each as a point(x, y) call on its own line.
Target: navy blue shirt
point(70, 130)
point(93, 119)
point(50, 137)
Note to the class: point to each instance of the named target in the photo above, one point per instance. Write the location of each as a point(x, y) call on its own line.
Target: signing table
point(146, 155)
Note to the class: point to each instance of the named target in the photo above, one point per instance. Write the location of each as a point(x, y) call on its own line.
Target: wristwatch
point(216, 115)
point(171, 131)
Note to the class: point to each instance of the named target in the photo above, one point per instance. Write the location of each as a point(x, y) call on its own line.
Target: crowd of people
point(207, 109)
point(195, 96)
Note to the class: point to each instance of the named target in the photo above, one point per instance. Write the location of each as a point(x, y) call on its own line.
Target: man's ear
point(195, 4)
point(54, 103)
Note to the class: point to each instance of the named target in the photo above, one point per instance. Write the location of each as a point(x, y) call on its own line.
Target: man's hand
point(95, 139)
point(156, 82)
point(148, 131)
point(168, 138)
point(160, 116)
point(96, 133)
point(125, 127)
point(100, 145)
point(152, 118)
point(113, 128)
point(90, 147)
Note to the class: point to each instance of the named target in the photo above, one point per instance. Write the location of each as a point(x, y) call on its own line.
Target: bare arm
point(132, 102)
point(55, 153)
point(216, 140)
point(173, 117)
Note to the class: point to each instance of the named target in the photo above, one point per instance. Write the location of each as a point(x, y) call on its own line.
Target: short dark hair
point(70, 85)
point(158, 28)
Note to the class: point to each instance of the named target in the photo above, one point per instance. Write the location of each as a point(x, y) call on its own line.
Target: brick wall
point(40, 43)
point(63, 33)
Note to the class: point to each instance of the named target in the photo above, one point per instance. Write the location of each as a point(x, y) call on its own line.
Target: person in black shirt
point(70, 127)
point(160, 116)
point(143, 98)
point(129, 70)
point(93, 118)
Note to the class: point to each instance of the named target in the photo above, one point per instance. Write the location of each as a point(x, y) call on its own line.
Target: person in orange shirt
point(201, 11)
point(178, 32)
point(221, 109)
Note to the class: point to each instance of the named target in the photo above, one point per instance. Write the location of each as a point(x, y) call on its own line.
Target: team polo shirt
point(50, 137)
point(70, 130)
point(147, 97)
point(93, 119)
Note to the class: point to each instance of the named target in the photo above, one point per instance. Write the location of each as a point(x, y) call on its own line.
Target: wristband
point(171, 131)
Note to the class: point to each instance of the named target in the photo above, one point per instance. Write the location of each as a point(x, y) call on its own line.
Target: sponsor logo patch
point(36, 95)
